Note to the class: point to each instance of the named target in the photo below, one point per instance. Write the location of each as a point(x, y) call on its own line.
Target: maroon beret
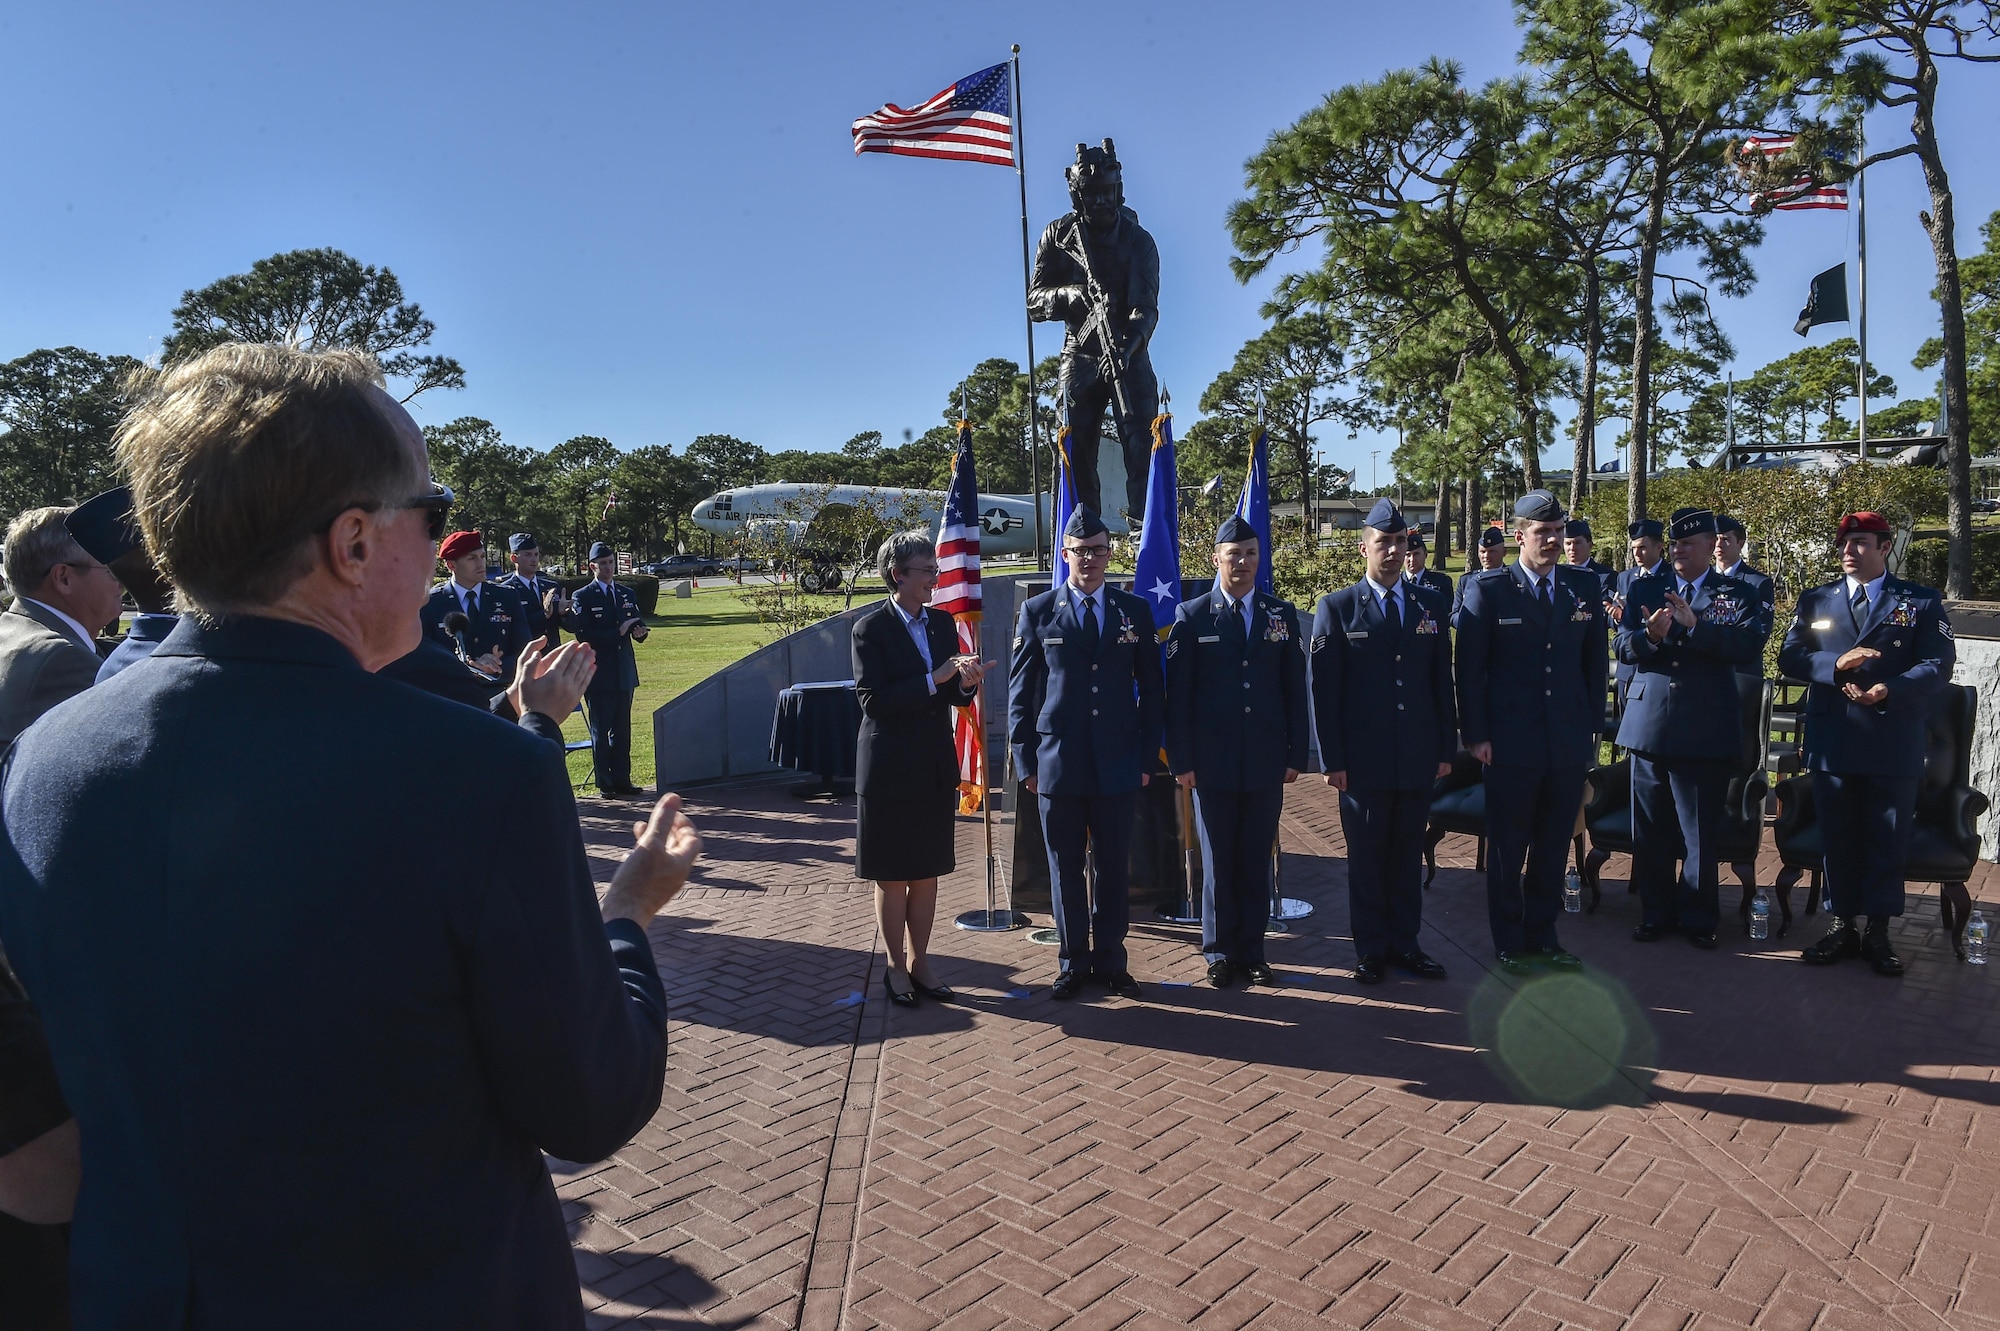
point(459, 543)
point(1863, 521)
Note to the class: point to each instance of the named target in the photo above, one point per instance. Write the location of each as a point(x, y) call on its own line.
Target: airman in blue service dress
point(534, 588)
point(1577, 540)
point(1387, 723)
point(1744, 571)
point(1531, 661)
point(1436, 579)
point(1084, 707)
point(1490, 538)
point(602, 613)
point(1876, 650)
point(494, 613)
point(1644, 535)
point(1237, 721)
point(1686, 635)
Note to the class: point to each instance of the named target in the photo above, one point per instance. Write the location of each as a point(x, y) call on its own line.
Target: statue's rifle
point(1102, 324)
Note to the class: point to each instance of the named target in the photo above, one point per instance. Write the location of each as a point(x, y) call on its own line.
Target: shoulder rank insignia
point(1173, 645)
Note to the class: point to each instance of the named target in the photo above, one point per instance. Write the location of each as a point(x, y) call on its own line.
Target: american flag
point(957, 595)
point(971, 121)
point(1802, 193)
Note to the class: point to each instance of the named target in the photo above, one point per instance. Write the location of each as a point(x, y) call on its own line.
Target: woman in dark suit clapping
point(909, 676)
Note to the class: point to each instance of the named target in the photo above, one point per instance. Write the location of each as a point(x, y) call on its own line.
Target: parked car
point(683, 566)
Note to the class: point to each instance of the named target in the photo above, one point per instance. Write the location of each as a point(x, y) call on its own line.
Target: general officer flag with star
point(1157, 572)
point(1255, 505)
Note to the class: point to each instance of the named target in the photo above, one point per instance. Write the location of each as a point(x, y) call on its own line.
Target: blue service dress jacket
point(1682, 700)
point(596, 615)
point(1531, 683)
point(317, 1048)
point(1382, 695)
point(1907, 624)
point(1063, 694)
point(499, 620)
point(1435, 580)
point(1236, 706)
point(531, 591)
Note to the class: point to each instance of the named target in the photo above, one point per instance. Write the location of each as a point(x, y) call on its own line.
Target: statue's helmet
point(1096, 181)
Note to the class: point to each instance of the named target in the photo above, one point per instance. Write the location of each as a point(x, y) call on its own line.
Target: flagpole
point(1861, 282)
point(1027, 285)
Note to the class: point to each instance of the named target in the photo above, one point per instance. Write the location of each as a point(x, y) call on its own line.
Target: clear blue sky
point(644, 220)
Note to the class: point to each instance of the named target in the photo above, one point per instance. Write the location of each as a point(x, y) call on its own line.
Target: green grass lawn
point(689, 641)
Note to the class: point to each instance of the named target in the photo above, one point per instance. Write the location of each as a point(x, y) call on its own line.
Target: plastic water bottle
point(1975, 940)
point(1760, 916)
point(1573, 893)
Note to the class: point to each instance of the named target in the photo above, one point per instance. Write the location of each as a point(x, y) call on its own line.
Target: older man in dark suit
point(317, 1050)
point(62, 598)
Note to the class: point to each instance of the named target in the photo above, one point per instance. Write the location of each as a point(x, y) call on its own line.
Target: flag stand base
point(1284, 910)
point(991, 921)
point(1044, 938)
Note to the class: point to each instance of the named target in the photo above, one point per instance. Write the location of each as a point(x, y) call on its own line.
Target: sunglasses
point(436, 505)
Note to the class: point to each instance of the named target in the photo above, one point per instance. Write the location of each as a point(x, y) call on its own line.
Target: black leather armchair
point(1458, 804)
point(1607, 817)
point(1944, 845)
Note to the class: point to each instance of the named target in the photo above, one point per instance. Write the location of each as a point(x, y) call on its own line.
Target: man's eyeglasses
point(1078, 553)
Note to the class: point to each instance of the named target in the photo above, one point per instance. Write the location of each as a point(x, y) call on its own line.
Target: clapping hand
point(970, 670)
point(1854, 658)
point(1659, 622)
point(488, 665)
point(658, 867)
point(1872, 696)
point(551, 683)
point(1683, 612)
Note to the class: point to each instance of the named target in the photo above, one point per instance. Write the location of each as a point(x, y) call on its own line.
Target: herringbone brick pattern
point(1679, 1139)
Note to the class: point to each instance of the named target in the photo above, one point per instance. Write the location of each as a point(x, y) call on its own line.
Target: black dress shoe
point(1418, 964)
point(632, 792)
point(1219, 973)
point(1702, 938)
point(1122, 984)
point(1649, 933)
point(900, 1000)
point(1840, 943)
point(1557, 959)
point(1260, 973)
point(1068, 985)
point(1880, 955)
point(1516, 963)
point(940, 993)
point(1368, 970)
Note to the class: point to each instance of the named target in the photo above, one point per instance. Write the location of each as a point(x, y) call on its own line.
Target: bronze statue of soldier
point(1098, 271)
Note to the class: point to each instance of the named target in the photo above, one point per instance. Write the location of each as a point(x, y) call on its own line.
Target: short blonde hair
point(239, 456)
point(36, 542)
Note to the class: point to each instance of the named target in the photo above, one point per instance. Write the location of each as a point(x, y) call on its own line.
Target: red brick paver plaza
point(1676, 1139)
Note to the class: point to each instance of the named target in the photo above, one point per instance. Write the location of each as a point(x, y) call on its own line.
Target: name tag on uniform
point(1211, 637)
point(1052, 642)
point(1360, 634)
point(1822, 624)
point(1510, 621)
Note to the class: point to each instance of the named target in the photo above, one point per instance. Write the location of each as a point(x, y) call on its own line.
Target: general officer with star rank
point(496, 622)
point(1876, 650)
point(1435, 579)
point(605, 614)
point(535, 589)
point(1237, 731)
point(1686, 636)
point(1531, 661)
point(1083, 710)
point(1388, 728)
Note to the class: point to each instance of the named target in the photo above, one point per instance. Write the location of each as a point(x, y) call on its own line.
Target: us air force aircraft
point(1006, 522)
